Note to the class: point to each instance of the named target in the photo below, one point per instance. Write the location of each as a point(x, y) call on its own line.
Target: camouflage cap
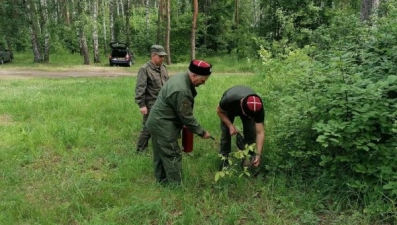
point(158, 49)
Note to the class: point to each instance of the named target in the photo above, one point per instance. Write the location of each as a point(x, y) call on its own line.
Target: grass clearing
point(67, 157)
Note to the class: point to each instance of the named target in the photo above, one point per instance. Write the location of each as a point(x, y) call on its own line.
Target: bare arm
point(222, 115)
point(260, 140)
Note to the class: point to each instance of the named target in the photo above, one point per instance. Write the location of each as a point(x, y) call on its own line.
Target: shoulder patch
point(186, 106)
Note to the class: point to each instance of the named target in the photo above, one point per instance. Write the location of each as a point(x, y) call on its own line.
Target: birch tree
point(193, 33)
point(111, 21)
point(82, 36)
point(95, 31)
point(367, 8)
point(31, 13)
point(147, 18)
point(127, 22)
point(44, 29)
point(104, 27)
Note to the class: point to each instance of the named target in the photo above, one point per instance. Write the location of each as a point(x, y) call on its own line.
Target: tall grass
point(67, 157)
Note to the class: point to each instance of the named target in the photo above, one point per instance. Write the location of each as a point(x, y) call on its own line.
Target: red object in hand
point(187, 140)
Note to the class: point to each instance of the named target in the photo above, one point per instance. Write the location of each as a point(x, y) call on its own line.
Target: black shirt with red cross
point(230, 102)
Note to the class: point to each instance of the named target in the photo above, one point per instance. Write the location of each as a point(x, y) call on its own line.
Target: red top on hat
point(252, 104)
point(200, 67)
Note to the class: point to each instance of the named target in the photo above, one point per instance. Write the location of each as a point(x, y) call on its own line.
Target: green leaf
point(334, 140)
point(321, 139)
point(390, 185)
point(343, 159)
point(364, 147)
point(217, 176)
point(360, 168)
point(391, 79)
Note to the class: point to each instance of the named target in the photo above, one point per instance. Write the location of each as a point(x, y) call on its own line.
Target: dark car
point(121, 55)
point(5, 55)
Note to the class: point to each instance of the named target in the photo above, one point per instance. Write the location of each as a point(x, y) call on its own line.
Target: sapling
point(239, 164)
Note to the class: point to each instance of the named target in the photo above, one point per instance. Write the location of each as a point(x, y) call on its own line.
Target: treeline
point(222, 27)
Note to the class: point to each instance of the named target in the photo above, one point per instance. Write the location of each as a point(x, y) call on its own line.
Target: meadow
point(67, 156)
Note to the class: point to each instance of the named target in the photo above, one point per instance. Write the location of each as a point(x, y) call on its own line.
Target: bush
point(336, 119)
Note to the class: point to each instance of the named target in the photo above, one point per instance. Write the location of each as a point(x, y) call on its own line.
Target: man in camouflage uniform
point(173, 110)
point(151, 77)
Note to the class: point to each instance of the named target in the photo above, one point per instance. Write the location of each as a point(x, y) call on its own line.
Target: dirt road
point(14, 73)
point(23, 73)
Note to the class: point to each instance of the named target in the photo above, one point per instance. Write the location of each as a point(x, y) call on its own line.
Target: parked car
point(121, 54)
point(5, 55)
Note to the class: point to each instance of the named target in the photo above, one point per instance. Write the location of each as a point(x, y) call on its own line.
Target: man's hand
point(233, 130)
point(206, 135)
point(143, 110)
point(256, 161)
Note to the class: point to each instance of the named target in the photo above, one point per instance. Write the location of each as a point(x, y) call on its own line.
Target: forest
point(208, 27)
point(328, 73)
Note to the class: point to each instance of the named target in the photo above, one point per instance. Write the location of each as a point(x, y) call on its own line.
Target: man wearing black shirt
point(243, 102)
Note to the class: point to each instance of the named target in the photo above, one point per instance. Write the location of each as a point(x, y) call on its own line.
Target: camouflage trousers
point(144, 134)
point(167, 160)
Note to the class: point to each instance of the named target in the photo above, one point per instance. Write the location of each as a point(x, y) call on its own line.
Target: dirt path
point(17, 73)
point(14, 73)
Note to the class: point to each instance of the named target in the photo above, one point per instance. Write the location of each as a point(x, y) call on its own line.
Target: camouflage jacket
point(150, 79)
point(174, 108)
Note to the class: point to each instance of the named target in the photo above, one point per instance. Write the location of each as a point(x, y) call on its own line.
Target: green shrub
point(336, 115)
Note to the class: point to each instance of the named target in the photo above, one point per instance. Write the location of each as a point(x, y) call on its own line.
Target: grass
point(67, 157)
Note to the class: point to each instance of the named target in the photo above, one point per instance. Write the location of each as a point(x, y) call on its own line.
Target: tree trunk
point(168, 32)
point(105, 40)
point(66, 12)
point(6, 26)
point(44, 30)
point(73, 11)
point(236, 26)
point(35, 46)
point(82, 37)
point(206, 19)
point(127, 22)
point(236, 15)
point(84, 46)
point(119, 7)
point(9, 46)
point(257, 13)
point(95, 31)
point(147, 18)
point(193, 34)
point(61, 12)
point(160, 21)
point(57, 11)
point(111, 21)
point(34, 30)
point(367, 8)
